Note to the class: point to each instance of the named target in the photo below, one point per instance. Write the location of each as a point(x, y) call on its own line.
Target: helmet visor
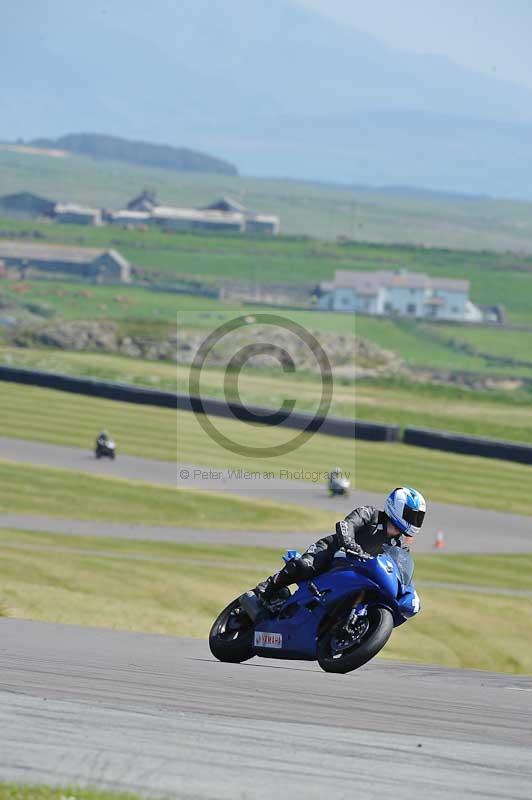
point(413, 516)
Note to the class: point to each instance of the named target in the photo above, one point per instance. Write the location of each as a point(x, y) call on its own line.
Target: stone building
point(77, 215)
point(183, 219)
point(129, 218)
point(101, 266)
point(25, 205)
point(145, 201)
point(253, 221)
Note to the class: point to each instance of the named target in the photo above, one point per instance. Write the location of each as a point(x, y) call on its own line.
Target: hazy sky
point(493, 36)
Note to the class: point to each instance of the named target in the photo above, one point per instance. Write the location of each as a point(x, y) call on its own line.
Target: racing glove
point(344, 532)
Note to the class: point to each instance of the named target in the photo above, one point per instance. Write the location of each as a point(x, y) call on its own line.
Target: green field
point(80, 580)
point(503, 345)
point(304, 208)
point(436, 347)
point(153, 315)
point(499, 415)
point(76, 495)
point(14, 791)
point(495, 277)
point(121, 304)
point(62, 418)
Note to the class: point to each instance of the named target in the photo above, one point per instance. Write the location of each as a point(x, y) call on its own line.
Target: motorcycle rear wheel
point(363, 650)
point(231, 636)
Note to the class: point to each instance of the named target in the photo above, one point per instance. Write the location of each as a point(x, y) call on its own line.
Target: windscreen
point(403, 560)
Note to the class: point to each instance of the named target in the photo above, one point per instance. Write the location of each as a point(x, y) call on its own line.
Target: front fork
point(359, 612)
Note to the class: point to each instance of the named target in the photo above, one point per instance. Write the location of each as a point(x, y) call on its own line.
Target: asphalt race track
point(160, 715)
point(476, 542)
point(466, 530)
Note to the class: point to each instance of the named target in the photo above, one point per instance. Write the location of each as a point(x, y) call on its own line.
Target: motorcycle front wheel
point(231, 636)
point(341, 650)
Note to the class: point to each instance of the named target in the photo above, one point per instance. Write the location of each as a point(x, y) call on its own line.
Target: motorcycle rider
point(337, 483)
point(335, 476)
point(103, 439)
point(364, 531)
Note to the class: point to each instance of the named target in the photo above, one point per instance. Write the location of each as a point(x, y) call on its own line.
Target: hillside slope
point(144, 153)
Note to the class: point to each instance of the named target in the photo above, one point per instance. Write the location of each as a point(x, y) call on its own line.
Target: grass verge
point(178, 590)
point(77, 495)
point(14, 791)
point(61, 418)
point(496, 414)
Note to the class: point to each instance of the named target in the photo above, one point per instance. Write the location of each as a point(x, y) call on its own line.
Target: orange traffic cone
point(439, 544)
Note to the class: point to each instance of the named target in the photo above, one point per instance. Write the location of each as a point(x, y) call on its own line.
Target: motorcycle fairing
point(299, 619)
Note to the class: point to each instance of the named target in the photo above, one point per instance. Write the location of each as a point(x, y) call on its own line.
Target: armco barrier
point(88, 386)
point(468, 445)
point(334, 426)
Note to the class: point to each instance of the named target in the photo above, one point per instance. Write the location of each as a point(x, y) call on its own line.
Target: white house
point(399, 293)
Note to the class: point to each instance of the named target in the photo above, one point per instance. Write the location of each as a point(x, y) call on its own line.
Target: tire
point(373, 640)
point(235, 644)
point(113, 455)
point(97, 454)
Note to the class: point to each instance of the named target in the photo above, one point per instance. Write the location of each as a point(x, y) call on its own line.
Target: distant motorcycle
point(340, 486)
point(105, 449)
point(341, 619)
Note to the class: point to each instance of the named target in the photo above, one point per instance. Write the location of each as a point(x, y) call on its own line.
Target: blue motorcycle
point(342, 618)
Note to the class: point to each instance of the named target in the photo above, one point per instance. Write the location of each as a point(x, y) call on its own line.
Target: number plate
point(265, 639)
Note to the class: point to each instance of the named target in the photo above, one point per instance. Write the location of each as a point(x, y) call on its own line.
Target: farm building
point(25, 205)
point(78, 215)
point(253, 221)
point(224, 214)
point(226, 205)
point(99, 265)
point(399, 293)
point(145, 201)
point(129, 218)
point(263, 223)
point(182, 219)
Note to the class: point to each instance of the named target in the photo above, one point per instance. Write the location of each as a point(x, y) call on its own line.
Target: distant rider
point(364, 531)
point(103, 439)
point(335, 478)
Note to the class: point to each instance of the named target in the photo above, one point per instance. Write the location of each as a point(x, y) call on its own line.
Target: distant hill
point(97, 145)
point(273, 87)
point(451, 154)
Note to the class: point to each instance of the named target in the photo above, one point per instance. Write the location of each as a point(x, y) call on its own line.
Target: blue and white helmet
point(406, 508)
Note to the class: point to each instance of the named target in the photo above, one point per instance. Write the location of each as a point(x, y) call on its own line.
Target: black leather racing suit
point(362, 531)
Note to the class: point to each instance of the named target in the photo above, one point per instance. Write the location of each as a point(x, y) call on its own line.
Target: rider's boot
point(266, 596)
point(272, 589)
